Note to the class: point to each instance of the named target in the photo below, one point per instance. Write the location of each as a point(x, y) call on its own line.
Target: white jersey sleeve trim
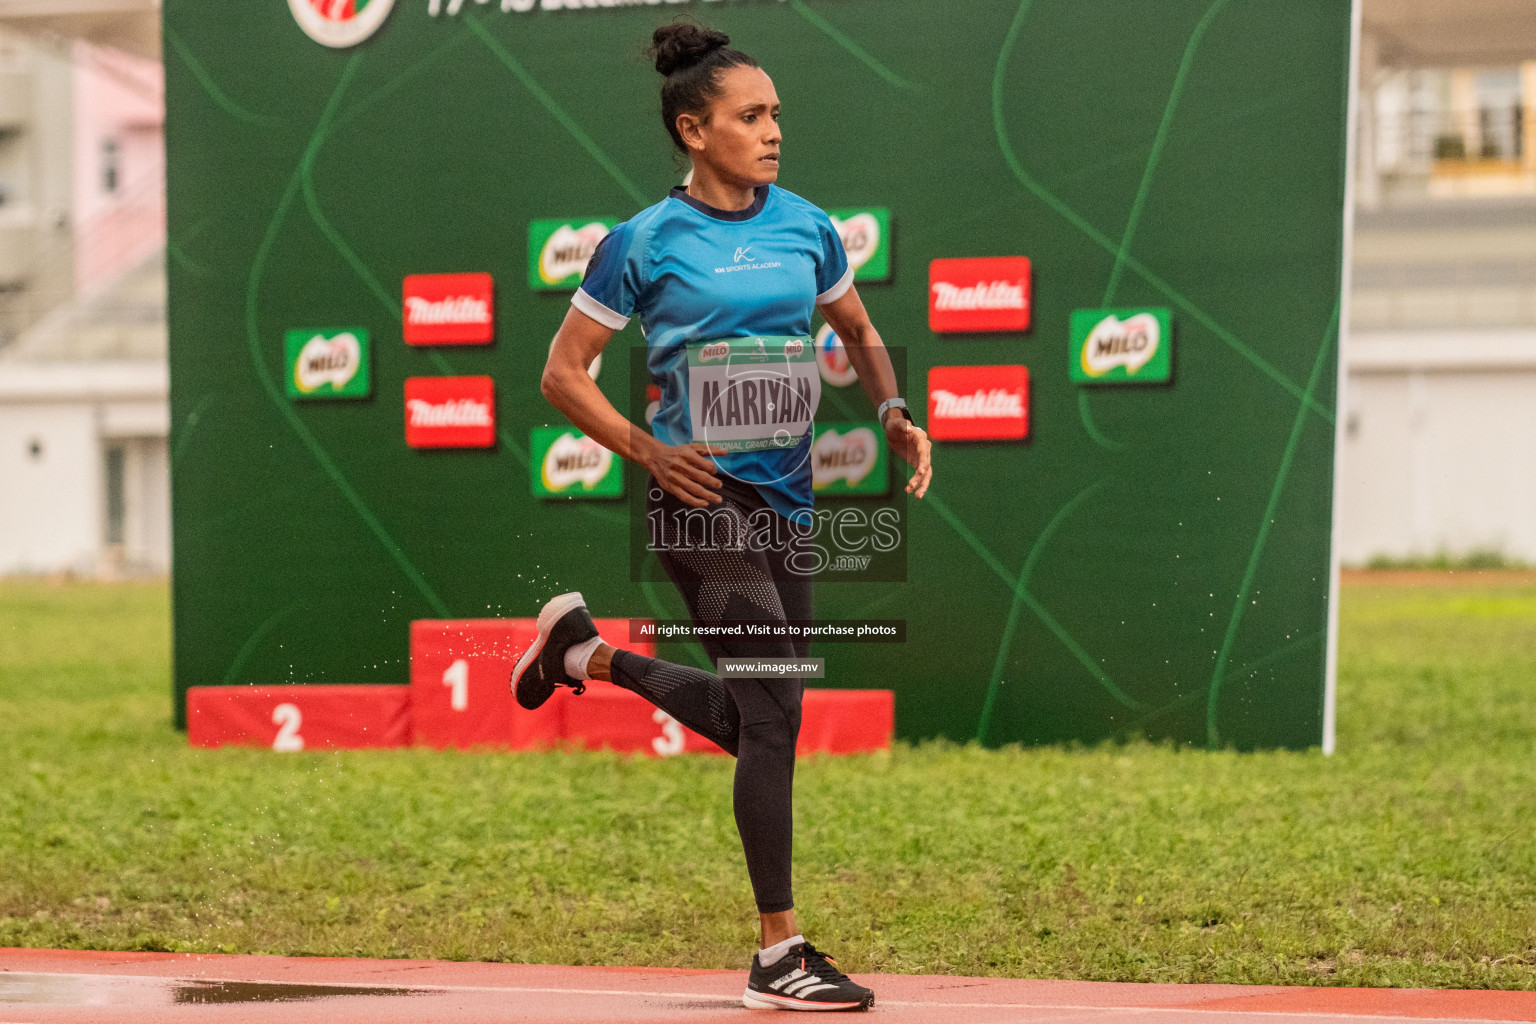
point(838, 290)
point(599, 312)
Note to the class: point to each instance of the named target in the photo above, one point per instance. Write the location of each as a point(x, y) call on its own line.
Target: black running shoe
point(564, 621)
point(804, 979)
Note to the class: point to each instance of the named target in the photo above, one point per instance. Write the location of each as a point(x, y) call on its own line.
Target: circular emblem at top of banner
point(340, 23)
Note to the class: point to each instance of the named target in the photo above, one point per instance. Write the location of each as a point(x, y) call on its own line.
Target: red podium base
point(461, 672)
point(831, 722)
point(294, 718)
point(608, 717)
point(846, 721)
point(459, 697)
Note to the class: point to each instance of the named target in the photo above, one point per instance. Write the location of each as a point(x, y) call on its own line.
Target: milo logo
point(339, 23)
point(1128, 343)
point(323, 362)
point(1121, 345)
point(327, 364)
point(861, 237)
point(559, 250)
point(568, 250)
point(793, 348)
point(865, 236)
point(715, 351)
point(575, 461)
point(848, 458)
point(569, 463)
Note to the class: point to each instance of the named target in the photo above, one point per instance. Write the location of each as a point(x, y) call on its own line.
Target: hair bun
point(683, 45)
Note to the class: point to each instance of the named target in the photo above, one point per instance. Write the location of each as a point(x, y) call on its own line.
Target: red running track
point(38, 986)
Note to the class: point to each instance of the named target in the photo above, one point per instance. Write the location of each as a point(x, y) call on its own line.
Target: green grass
point(1472, 561)
point(1406, 859)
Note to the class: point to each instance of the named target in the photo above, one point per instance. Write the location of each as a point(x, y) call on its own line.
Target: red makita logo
point(456, 412)
point(978, 403)
point(450, 412)
point(979, 294)
point(448, 309)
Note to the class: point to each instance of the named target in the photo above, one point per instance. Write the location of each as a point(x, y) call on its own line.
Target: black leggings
point(724, 580)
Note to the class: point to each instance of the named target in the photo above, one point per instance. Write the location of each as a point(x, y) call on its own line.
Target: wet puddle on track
point(121, 990)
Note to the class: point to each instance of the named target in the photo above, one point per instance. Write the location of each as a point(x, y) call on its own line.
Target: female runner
point(724, 274)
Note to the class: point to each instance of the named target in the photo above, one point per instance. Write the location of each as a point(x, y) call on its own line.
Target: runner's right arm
point(686, 470)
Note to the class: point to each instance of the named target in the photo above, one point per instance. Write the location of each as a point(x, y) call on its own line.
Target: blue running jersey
point(694, 273)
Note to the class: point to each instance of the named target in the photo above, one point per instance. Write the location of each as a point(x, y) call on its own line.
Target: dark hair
point(692, 58)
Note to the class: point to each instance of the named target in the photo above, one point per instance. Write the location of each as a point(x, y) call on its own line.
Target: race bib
point(751, 394)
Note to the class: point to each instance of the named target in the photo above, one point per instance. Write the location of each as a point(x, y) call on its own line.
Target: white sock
point(577, 656)
point(774, 953)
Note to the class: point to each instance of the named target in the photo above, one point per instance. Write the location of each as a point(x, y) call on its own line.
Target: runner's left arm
point(872, 362)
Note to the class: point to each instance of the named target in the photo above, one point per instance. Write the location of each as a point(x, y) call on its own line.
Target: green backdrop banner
point(1152, 559)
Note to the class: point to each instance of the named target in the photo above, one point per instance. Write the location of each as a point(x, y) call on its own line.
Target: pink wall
point(118, 99)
